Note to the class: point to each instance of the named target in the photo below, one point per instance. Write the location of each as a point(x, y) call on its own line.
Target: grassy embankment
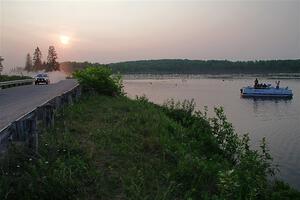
point(116, 148)
point(106, 147)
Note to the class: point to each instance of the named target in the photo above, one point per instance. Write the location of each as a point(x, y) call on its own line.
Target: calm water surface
point(277, 120)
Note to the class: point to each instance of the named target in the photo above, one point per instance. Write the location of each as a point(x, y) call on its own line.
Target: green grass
point(12, 78)
point(116, 148)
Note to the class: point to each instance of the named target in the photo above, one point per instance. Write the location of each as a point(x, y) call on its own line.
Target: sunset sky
point(111, 31)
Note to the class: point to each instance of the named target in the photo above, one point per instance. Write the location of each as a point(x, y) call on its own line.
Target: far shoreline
point(211, 76)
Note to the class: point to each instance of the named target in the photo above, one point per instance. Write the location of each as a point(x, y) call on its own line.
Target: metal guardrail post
point(49, 117)
point(5, 139)
point(23, 130)
point(33, 136)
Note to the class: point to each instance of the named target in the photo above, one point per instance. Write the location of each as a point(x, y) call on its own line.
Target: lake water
point(277, 120)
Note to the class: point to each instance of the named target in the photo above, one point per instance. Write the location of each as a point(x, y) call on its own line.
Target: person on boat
point(264, 85)
point(256, 83)
point(277, 84)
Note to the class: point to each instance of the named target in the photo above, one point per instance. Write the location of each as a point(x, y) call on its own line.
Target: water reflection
point(262, 102)
point(273, 99)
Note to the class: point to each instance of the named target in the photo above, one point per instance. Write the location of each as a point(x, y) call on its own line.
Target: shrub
point(101, 80)
point(245, 176)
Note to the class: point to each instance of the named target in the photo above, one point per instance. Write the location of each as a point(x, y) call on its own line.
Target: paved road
point(17, 101)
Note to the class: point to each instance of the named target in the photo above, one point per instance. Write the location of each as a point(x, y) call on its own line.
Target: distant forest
point(184, 66)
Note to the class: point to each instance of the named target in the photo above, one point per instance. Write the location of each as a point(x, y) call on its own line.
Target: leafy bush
point(101, 80)
point(244, 172)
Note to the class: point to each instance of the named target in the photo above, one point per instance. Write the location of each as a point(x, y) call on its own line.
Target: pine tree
point(52, 64)
point(37, 60)
point(1, 66)
point(28, 64)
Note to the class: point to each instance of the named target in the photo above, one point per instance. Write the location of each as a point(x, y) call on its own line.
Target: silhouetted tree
point(37, 60)
point(52, 64)
point(28, 64)
point(1, 66)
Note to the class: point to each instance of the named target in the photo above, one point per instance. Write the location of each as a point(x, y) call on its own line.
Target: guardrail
point(26, 128)
point(7, 84)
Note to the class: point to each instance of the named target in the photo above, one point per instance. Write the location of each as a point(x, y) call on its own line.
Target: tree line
point(184, 66)
point(35, 63)
point(165, 66)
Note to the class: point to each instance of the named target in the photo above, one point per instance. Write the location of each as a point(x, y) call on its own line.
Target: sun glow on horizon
point(64, 39)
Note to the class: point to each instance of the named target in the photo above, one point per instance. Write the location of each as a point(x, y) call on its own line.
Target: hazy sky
point(110, 31)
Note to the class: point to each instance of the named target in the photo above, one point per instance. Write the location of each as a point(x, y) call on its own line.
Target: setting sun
point(64, 39)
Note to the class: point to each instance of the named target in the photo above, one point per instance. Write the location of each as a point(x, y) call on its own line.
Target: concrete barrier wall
point(25, 129)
